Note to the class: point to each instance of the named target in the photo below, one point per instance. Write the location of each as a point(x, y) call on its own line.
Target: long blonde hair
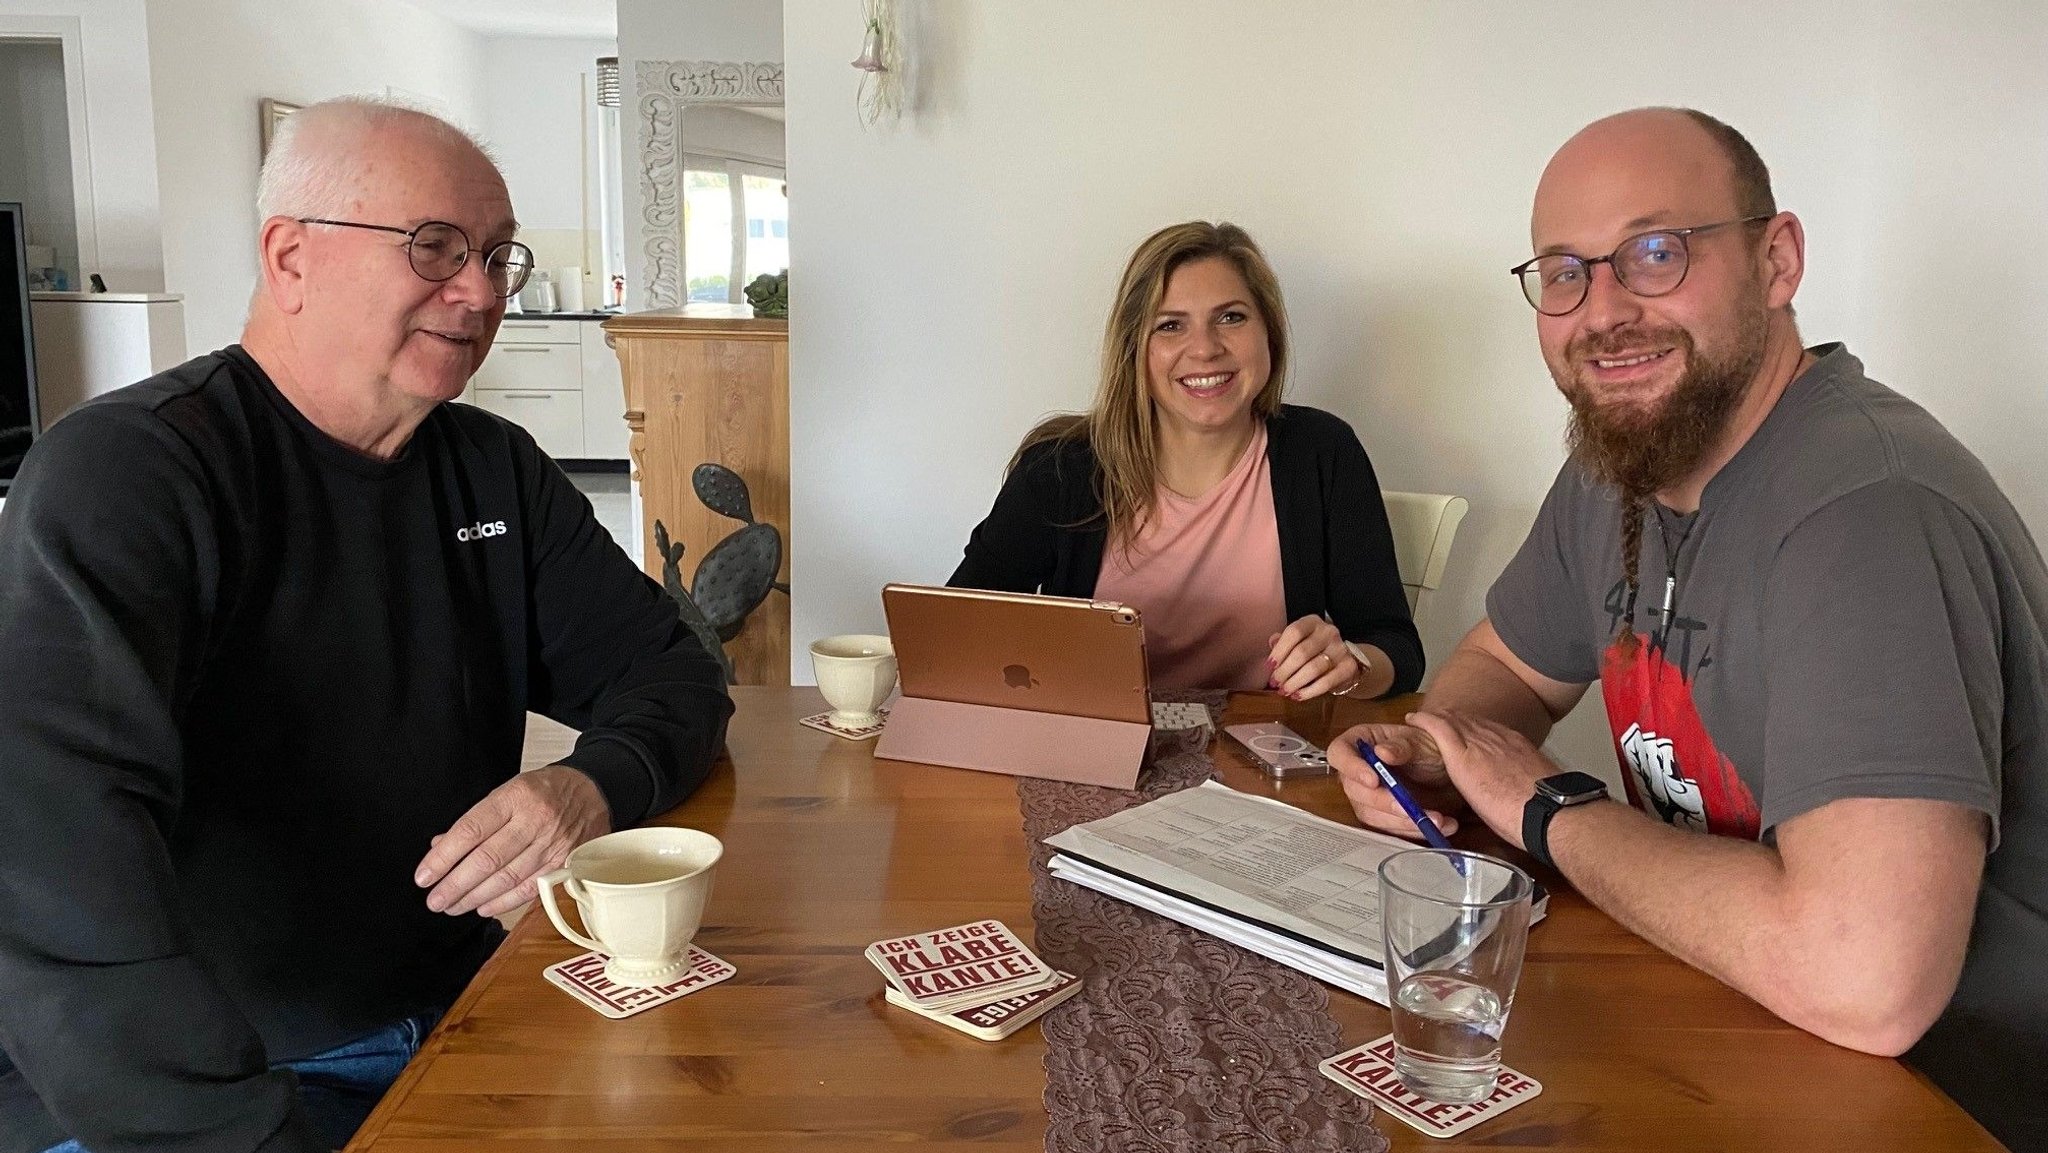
point(1119, 426)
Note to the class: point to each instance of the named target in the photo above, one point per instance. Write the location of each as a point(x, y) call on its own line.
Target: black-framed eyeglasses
point(1647, 264)
point(437, 251)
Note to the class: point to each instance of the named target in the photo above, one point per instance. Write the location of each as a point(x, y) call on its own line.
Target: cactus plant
point(686, 607)
point(769, 293)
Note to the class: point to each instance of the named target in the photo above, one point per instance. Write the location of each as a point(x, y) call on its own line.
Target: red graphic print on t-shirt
point(1668, 761)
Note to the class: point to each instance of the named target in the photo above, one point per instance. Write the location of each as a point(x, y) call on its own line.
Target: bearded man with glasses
point(1816, 622)
point(273, 622)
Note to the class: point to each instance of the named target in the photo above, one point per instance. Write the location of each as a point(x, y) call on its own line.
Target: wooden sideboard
point(709, 383)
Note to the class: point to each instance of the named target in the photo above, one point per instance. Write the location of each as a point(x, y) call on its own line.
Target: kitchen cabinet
point(558, 379)
point(709, 383)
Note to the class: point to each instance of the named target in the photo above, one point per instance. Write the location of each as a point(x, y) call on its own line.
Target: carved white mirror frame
point(664, 89)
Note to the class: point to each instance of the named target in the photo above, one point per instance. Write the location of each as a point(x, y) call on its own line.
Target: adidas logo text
point(480, 530)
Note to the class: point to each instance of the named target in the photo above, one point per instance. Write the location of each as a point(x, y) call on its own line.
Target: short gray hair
point(304, 175)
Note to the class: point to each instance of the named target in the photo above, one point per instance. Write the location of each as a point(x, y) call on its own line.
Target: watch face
point(1572, 788)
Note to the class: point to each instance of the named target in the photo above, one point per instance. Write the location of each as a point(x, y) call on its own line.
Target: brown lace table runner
point(1177, 1041)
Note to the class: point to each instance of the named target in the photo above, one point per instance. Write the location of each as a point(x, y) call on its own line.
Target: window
point(767, 207)
point(735, 226)
point(707, 235)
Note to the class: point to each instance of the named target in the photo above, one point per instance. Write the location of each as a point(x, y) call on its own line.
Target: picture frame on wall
point(271, 114)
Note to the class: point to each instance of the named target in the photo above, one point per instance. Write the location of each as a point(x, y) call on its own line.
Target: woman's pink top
point(1206, 575)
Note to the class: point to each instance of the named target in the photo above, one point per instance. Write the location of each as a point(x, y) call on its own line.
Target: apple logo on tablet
point(1019, 677)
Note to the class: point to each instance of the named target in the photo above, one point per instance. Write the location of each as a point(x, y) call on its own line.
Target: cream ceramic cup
point(642, 894)
point(856, 672)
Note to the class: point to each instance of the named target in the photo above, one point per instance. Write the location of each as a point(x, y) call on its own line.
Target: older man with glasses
point(273, 621)
point(1830, 704)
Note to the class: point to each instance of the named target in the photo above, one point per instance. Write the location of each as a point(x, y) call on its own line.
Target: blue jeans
point(338, 1088)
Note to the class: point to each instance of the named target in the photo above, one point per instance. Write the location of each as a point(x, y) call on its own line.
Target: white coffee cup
point(856, 673)
point(642, 894)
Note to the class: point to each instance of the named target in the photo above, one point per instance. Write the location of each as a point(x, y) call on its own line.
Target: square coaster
point(820, 723)
point(965, 965)
point(1369, 1072)
point(583, 978)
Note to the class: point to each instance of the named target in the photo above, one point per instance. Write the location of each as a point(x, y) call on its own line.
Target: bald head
point(363, 316)
point(325, 154)
point(1679, 160)
point(1662, 351)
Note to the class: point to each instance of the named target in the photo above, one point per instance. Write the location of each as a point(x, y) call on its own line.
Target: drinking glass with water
point(1455, 926)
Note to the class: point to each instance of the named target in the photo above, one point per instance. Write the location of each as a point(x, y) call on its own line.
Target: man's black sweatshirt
point(246, 674)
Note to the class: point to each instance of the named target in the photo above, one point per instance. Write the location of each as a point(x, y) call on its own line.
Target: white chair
point(1424, 525)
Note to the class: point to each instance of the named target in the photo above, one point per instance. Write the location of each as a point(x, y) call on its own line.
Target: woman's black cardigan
point(1046, 533)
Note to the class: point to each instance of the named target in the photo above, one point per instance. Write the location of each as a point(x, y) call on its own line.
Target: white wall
point(538, 94)
point(733, 132)
point(957, 265)
point(113, 45)
point(539, 116)
point(18, 61)
point(213, 60)
point(1953, 313)
point(699, 30)
point(35, 145)
point(746, 31)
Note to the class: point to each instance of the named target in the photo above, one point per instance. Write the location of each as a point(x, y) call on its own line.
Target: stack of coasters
point(995, 1020)
point(977, 978)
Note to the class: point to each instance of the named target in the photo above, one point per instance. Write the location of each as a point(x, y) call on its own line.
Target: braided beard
point(1640, 451)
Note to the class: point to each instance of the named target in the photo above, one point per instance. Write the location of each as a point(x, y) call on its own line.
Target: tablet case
point(1033, 686)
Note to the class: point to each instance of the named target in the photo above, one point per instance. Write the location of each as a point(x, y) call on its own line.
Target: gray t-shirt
point(1858, 611)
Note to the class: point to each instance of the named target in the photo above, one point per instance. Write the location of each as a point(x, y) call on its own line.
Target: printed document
point(1260, 873)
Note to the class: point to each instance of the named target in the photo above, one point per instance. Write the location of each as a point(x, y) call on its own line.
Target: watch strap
point(1536, 816)
point(1553, 795)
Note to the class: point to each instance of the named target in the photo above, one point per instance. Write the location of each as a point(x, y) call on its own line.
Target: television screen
point(17, 347)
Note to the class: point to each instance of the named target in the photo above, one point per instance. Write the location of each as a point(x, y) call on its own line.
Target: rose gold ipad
point(1015, 683)
point(1065, 655)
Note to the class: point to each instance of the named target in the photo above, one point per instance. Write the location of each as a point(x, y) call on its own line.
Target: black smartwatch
point(1553, 794)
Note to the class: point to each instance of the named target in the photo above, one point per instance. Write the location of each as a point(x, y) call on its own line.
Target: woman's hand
point(1309, 659)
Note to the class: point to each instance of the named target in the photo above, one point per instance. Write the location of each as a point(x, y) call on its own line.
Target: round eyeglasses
point(437, 251)
point(1647, 264)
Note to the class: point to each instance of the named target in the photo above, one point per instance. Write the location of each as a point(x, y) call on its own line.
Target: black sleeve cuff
point(621, 775)
point(1404, 649)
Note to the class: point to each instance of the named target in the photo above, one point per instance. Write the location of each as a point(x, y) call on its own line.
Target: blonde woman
point(1250, 533)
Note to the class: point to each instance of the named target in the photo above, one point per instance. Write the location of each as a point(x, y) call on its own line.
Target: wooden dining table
point(828, 849)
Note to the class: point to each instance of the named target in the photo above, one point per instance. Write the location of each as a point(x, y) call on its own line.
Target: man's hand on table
point(489, 860)
point(1448, 761)
point(1413, 756)
point(1493, 767)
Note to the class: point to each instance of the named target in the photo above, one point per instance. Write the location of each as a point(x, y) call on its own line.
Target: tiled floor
point(610, 496)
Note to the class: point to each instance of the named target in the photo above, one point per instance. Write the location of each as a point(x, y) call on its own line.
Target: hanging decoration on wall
point(270, 116)
point(880, 94)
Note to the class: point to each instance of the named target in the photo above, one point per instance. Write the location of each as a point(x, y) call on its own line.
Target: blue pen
point(1430, 832)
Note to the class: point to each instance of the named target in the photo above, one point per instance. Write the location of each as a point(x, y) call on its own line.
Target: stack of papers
point(1253, 871)
point(978, 978)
